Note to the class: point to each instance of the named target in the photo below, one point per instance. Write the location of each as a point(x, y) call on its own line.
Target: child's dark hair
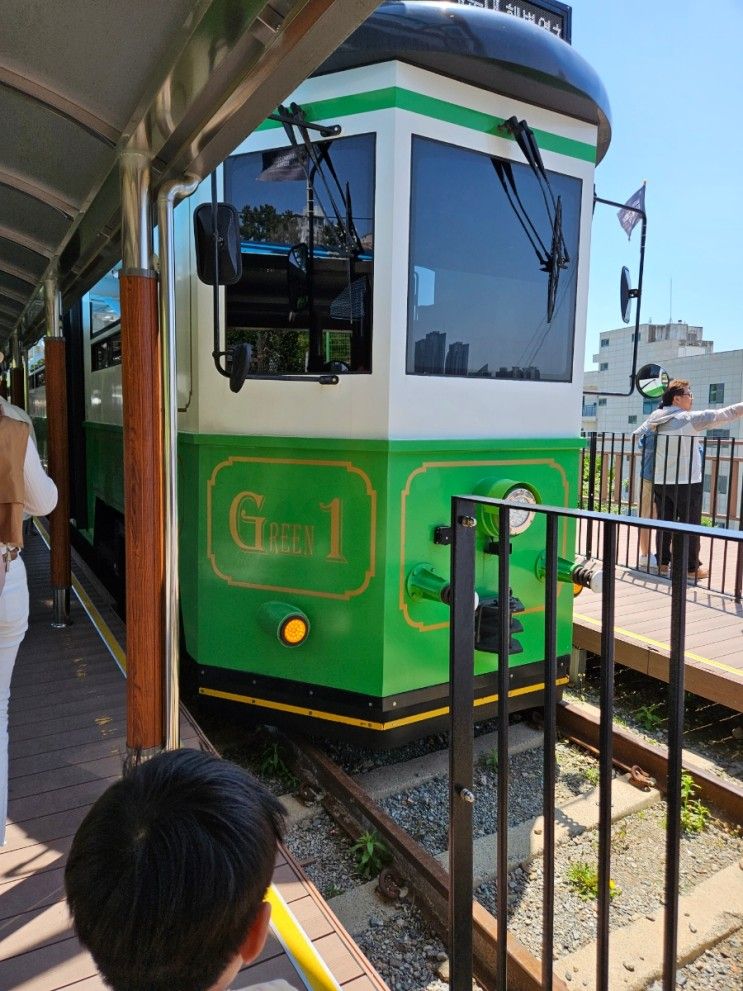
point(168, 870)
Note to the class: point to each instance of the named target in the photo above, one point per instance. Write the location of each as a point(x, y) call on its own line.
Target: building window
point(636, 334)
point(722, 432)
point(632, 418)
point(589, 409)
point(604, 342)
point(722, 485)
point(604, 366)
point(717, 392)
point(602, 402)
point(648, 405)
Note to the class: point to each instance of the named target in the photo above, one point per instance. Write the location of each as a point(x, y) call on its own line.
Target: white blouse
point(41, 492)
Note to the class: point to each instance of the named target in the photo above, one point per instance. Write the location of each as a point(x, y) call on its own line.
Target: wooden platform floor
point(642, 629)
point(67, 741)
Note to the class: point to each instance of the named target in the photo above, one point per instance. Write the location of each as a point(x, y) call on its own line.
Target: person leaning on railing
point(677, 487)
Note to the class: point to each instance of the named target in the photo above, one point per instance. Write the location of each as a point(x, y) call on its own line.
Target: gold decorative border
point(351, 469)
point(421, 470)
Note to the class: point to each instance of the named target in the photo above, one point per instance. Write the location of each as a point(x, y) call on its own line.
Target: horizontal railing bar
point(635, 521)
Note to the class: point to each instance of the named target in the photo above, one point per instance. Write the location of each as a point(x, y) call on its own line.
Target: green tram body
point(327, 501)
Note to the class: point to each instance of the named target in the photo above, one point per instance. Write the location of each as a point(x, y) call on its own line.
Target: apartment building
point(716, 378)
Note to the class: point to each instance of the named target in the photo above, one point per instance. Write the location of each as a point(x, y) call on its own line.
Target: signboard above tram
point(547, 14)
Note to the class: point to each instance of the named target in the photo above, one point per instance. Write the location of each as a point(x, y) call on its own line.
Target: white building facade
point(715, 379)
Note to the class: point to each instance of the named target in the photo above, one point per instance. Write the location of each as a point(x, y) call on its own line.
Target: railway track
point(388, 801)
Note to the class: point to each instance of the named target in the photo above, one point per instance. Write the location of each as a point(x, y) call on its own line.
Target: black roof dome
point(489, 50)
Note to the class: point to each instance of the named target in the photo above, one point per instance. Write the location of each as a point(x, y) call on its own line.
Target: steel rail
point(355, 811)
point(580, 724)
point(423, 873)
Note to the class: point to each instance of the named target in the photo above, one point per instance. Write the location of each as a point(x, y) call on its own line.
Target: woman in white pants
point(24, 488)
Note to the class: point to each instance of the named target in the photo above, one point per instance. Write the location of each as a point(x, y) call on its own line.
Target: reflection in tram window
point(287, 295)
point(477, 303)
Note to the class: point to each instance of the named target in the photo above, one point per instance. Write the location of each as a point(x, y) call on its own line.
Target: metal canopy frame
point(181, 81)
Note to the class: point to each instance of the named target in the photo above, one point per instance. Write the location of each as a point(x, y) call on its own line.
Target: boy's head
point(167, 873)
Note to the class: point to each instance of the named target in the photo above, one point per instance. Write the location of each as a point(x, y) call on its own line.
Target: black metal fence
point(462, 792)
point(617, 478)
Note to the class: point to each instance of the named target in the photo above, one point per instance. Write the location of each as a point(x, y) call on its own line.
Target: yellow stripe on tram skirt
point(298, 946)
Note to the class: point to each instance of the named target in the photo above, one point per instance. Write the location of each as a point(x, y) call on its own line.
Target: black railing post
point(461, 693)
point(504, 618)
point(739, 554)
point(675, 744)
point(606, 727)
point(591, 491)
point(550, 739)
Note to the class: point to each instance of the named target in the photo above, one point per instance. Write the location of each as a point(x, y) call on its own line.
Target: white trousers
point(13, 625)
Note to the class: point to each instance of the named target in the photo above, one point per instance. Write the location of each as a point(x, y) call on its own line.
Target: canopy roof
point(83, 80)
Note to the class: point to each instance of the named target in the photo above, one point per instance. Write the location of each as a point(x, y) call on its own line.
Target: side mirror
point(625, 294)
point(242, 355)
point(224, 266)
point(297, 265)
point(652, 381)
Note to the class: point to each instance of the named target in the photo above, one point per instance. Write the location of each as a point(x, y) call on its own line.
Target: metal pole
point(17, 377)
point(605, 754)
point(166, 200)
point(504, 645)
point(461, 694)
point(136, 223)
point(550, 741)
point(675, 755)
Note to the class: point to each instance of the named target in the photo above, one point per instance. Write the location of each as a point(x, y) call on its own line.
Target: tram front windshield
point(477, 299)
point(285, 202)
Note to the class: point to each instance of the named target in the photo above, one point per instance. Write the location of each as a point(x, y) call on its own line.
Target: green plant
point(694, 814)
point(331, 890)
point(272, 765)
point(591, 774)
point(489, 760)
point(584, 877)
point(371, 854)
point(648, 717)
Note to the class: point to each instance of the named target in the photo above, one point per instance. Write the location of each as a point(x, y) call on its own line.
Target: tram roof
point(80, 82)
point(490, 50)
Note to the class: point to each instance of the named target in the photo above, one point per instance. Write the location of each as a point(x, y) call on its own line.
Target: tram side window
point(477, 297)
point(104, 322)
point(301, 310)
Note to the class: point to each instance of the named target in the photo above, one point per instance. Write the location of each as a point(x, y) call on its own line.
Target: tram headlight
point(288, 624)
point(521, 495)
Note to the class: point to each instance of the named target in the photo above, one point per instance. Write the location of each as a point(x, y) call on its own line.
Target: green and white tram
point(402, 317)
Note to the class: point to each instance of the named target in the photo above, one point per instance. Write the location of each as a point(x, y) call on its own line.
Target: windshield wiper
point(319, 155)
point(555, 259)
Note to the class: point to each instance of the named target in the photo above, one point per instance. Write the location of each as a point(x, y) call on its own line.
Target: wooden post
point(18, 387)
point(143, 473)
point(59, 457)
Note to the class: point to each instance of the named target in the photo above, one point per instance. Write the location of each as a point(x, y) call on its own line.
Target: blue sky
point(674, 75)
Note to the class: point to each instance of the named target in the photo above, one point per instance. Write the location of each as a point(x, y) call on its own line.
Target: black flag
point(628, 217)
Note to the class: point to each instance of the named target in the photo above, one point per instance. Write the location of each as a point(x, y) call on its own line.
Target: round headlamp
point(521, 495)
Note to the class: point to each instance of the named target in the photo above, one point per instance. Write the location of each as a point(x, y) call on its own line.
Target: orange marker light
point(284, 621)
point(294, 631)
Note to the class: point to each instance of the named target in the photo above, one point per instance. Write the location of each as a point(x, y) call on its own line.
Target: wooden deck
point(67, 742)
point(642, 627)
